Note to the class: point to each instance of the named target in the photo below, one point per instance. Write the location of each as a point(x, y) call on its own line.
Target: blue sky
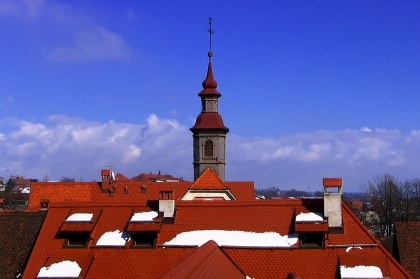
point(310, 89)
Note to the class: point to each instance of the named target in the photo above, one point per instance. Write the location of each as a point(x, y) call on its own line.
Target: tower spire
point(209, 131)
point(210, 30)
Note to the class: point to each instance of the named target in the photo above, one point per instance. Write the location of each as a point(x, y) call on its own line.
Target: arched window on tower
point(208, 148)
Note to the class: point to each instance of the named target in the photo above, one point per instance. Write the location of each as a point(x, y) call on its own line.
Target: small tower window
point(208, 148)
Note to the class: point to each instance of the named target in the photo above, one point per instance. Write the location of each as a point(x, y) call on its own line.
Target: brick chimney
point(332, 203)
point(107, 179)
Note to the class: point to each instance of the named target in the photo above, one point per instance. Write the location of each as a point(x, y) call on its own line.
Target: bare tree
point(67, 179)
point(415, 184)
point(386, 198)
point(407, 194)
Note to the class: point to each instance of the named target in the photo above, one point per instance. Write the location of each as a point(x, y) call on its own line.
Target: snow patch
point(62, 269)
point(311, 216)
point(360, 271)
point(349, 248)
point(115, 238)
point(144, 216)
point(80, 217)
point(233, 238)
point(26, 190)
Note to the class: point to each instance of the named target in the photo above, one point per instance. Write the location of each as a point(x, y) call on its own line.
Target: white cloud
point(366, 129)
point(30, 10)
point(10, 99)
point(74, 147)
point(78, 148)
point(89, 45)
point(88, 39)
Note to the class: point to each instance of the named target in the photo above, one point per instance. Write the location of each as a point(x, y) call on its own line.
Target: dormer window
point(44, 204)
point(77, 240)
point(311, 228)
point(208, 148)
point(143, 240)
point(311, 240)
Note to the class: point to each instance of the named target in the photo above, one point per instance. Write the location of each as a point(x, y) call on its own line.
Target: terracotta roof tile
point(208, 261)
point(81, 226)
point(311, 227)
point(151, 177)
point(254, 215)
point(19, 230)
point(73, 192)
point(121, 177)
point(407, 246)
point(208, 180)
point(144, 226)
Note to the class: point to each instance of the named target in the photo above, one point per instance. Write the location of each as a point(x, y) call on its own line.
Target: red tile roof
point(209, 121)
point(208, 261)
point(20, 181)
point(121, 177)
point(151, 177)
point(311, 227)
point(256, 216)
point(209, 180)
point(407, 246)
point(356, 206)
point(19, 231)
point(91, 191)
point(332, 182)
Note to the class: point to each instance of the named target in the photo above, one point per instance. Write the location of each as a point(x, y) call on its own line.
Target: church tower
point(209, 132)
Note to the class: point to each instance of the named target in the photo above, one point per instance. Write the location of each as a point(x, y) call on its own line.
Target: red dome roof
point(209, 120)
point(209, 84)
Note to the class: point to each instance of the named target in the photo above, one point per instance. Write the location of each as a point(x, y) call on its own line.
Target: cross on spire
point(210, 54)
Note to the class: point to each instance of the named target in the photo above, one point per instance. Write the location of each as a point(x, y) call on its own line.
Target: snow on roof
point(144, 216)
point(62, 269)
point(80, 217)
point(311, 216)
point(349, 248)
point(115, 238)
point(26, 190)
point(233, 238)
point(360, 271)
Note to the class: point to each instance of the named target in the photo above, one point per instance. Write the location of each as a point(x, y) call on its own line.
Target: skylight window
point(233, 238)
point(80, 217)
point(67, 269)
point(311, 217)
point(144, 216)
point(360, 271)
point(115, 238)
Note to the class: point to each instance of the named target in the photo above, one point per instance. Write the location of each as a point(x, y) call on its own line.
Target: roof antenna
point(210, 54)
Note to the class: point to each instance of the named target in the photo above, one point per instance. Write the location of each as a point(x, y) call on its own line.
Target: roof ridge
point(206, 178)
